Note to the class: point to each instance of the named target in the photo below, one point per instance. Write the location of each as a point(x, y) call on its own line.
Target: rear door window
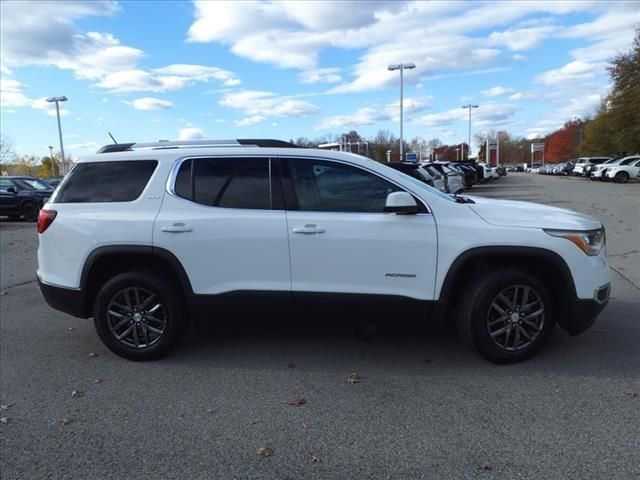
point(230, 182)
point(119, 181)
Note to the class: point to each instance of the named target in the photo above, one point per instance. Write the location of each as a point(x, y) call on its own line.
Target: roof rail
point(263, 142)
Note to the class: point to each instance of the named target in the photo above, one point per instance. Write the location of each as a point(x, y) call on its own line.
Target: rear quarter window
point(121, 181)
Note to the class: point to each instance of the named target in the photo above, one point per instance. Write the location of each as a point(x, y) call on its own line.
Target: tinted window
point(334, 187)
point(5, 183)
point(32, 184)
point(225, 182)
point(121, 181)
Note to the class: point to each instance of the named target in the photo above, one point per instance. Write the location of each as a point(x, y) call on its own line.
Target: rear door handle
point(176, 228)
point(308, 229)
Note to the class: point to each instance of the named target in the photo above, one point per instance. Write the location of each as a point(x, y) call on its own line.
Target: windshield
point(33, 184)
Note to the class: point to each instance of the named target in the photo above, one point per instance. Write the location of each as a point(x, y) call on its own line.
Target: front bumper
point(583, 313)
point(67, 300)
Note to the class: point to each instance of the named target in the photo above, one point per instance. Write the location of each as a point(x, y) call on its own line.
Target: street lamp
point(470, 106)
point(402, 67)
point(53, 171)
point(56, 100)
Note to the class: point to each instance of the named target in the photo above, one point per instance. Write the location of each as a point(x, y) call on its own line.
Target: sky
point(146, 70)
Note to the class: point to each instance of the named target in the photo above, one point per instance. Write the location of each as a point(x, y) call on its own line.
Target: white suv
point(146, 238)
point(621, 172)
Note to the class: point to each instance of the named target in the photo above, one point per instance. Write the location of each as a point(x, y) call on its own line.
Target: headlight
point(590, 242)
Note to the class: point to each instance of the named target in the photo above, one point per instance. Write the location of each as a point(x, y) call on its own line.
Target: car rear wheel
point(138, 316)
point(621, 177)
point(507, 316)
point(29, 212)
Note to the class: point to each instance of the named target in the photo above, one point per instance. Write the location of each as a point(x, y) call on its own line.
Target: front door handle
point(176, 228)
point(308, 229)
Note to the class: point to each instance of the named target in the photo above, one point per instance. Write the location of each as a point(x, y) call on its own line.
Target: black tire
point(171, 312)
point(475, 315)
point(30, 212)
point(621, 177)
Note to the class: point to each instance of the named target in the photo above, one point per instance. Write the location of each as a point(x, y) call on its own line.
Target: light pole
point(401, 67)
point(53, 170)
point(56, 100)
point(470, 106)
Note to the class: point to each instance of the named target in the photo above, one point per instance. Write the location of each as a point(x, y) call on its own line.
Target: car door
point(342, 243)
point(223, 219)
point(8, 199)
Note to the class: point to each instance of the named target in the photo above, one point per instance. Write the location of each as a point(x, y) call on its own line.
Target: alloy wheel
point(136, 318)
point(516, 317)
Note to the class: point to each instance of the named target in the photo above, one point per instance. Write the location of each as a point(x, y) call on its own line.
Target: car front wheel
point(507, 316)
point(621, 177)
point(138, 316)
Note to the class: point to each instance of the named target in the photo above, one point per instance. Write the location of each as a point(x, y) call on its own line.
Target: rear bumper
point(583, 313)
point(67, 300)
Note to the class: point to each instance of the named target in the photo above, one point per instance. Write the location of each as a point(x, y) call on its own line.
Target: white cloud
point(247, 121)
point(258, 105)
point(191, 133)
point(409, 105)
point(361, 117)
point(496, 91)
point(150, 103)
point(523, 38)
point(518, 58)
point(491, 115)
point(12, 96)
point(172, 77)
point(569, 73)
point(320, 75)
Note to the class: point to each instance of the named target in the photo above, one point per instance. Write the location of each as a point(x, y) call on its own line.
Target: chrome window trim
point(173, 173)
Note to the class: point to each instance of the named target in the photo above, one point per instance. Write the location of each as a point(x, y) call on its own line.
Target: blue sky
point(180, 70)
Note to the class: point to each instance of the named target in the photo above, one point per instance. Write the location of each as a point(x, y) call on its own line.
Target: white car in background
point(629, 167)
point(584, 164)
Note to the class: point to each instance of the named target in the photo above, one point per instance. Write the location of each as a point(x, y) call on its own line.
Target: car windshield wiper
point(461, 199)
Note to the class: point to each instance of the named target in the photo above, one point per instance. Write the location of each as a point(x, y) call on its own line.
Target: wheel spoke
point(125, 333)
point(500, 310)
point(516, 337)
point(525, 297)
point(531, 324)
point(136, 340)
point(506, 337)
point(506, 301)
point(498, 320)
point(145, 334)
point(136, 294)
point(500, 331)
point(537, 313)
point(121, 323)
point(524, 333)
point(147, 302)
point(117, 315)
point(154, 308)
point(153, 329)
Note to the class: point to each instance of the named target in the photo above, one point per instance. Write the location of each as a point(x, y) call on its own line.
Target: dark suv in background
point(23, 196)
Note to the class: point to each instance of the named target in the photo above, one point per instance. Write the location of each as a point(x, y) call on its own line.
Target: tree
point(616, 127)
point(7, 153)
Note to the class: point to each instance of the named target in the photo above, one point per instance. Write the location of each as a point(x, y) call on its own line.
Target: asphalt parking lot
point(423, 405)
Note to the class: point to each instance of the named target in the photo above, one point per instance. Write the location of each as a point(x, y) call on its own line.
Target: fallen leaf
point(632, 393)
point(6, 407)
point(77, 393)
point(71, 329)
point(264, 452)
point(297, 403)
point(91, 354)
point(209, 410)
point(315, 458)
point(291, 365)
point(305, 425)
point(486, 468)
point(3, 293)
point(97, 380)
point(4, 420)
point(66, 421)
point(353, 378)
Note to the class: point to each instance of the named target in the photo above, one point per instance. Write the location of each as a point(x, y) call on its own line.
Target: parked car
point(439, 178)
point(598, 172)
point(486, 172)
point(23, 197)
point(53, 181)
point(626, 169)
point(416, 171)
point(146, 238)
point(583, 163)
point(534, 168)
point(453, 178)
point(468, 172)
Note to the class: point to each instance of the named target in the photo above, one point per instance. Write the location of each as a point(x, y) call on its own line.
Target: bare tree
point(7, 153)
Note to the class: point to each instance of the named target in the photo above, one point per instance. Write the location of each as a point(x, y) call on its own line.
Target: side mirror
point(401, 203)
point(12, 190)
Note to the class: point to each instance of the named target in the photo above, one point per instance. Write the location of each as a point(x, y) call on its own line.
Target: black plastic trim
point(66, 300)
point(116, 147)
point(267, 143)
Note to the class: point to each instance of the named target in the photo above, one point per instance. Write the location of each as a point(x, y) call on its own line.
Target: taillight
point(45, 218)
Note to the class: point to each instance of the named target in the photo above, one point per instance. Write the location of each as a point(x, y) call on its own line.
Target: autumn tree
point(616, 127)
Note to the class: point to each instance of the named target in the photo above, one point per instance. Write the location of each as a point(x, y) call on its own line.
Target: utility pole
point(470, 106)
point(401, 67)
point(63, 170)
